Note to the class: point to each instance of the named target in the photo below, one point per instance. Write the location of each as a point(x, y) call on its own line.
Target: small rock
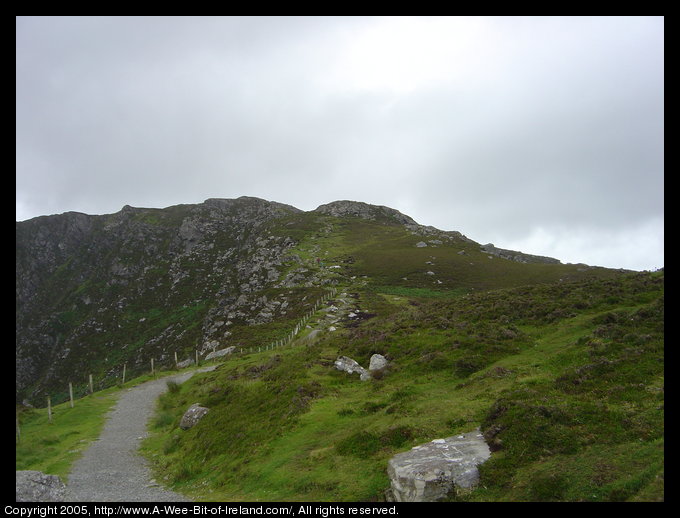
point(192, 416)
point(421, 244)
point(378, 361)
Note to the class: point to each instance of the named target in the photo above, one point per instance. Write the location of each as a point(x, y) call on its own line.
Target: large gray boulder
point(36, 486)
point(430, 472)
point(192, 416)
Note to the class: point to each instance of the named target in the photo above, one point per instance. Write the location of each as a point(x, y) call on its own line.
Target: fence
point(296, 329)
point(271, 346)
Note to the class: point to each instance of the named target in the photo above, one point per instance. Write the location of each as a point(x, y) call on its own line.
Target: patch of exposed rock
point(363, 210)
point(36, 486)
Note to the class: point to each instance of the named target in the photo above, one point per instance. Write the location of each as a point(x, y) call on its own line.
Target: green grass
point(53, 447)
point(564, 379)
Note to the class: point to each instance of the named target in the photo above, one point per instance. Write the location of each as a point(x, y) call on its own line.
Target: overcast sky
point(543, 135)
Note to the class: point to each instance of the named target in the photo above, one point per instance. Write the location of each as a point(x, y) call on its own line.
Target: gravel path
point(111, 470)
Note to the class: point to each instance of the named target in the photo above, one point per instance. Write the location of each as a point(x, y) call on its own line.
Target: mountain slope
point(566, 380)
point(560, 365)
point(96, 292)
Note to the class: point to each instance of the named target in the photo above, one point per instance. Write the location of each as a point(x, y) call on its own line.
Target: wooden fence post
point(124, 366)
point(70, 392)
point(91, 386)
point(176, 360)
point(153, 372)
point(49, 409)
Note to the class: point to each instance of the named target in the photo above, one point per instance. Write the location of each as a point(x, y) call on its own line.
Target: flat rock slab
point(429, 472)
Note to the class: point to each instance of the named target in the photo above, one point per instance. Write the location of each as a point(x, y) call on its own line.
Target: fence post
point(175, 359)
point(196, 357)
point(91, 386)
point(153, 372)
point(124, 366)
point(49, 409)
point(70, 392)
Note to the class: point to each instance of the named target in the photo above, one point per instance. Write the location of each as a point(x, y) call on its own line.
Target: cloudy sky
point(543, 135)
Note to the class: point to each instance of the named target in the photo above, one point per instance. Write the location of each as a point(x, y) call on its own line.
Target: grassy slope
point(566, 380)
point(285, 425)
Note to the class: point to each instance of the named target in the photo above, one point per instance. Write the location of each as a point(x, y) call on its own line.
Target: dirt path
point(111, 469)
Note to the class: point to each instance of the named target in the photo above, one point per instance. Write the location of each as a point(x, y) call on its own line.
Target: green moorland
point(560, 366)
point(565, 380)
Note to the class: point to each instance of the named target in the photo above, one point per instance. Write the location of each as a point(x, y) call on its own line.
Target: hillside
point(565, 380)
point(96, 292)
point(561, 366)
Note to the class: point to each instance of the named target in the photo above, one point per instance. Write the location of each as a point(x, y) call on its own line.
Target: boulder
point(343, 363)
point(430, 472)
point(220, 353)
point(36, 486)
point(378, 361)
point(192, 416)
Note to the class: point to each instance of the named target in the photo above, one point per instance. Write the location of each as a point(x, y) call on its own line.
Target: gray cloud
point(529, 131)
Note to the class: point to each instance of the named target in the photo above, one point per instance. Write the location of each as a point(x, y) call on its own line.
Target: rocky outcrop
point(432, 471)
point(36, 486)
point(363, 210)
point(519, 257)
point(192, 416)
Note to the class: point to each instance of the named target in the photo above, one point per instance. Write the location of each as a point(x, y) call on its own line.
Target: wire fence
point(129, 372)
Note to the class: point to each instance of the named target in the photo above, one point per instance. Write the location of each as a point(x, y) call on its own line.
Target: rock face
point(36, 486)
point(171, 278)
point(192, 416)
point(430, 472)
point(350, 366)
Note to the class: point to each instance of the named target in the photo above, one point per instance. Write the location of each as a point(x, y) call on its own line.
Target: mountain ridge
point(96, 291)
